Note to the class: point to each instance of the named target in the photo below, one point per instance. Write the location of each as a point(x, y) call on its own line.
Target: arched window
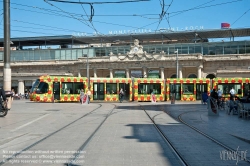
point(192, 76)
point(173, 76)
point(210, 76)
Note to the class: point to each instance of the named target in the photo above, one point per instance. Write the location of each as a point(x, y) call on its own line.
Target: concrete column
point(111, 73)
point(180, 72)
point(145, 73)
point(127, 73)
point(95, 73)
point(199, 71)
point(162, 73)
point(20, 86)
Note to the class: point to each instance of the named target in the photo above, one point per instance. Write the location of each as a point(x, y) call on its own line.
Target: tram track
point(55, 132)
point(84, 145)
point(216, 141)
point(166, 139)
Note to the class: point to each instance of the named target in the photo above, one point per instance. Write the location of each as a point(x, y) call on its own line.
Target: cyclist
point(2, 94)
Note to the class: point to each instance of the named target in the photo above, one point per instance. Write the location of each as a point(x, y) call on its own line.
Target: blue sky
point(37, 18)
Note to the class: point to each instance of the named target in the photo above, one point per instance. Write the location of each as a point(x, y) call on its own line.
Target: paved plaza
point(114, 134)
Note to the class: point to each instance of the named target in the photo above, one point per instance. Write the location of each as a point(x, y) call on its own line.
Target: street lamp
point(177, 63)
point(196, 34)
point(88, 68)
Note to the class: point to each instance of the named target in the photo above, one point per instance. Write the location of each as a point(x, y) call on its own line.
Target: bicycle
point(221, 103)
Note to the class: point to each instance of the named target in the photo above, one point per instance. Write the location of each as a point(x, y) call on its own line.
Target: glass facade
point(213, 48)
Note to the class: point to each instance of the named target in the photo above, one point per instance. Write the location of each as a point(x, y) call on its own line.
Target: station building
point(152, 55)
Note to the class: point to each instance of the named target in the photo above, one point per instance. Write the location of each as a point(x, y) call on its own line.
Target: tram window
point(77, 86)
point(42, 88)
point(246, 88)
point(111, 88)
point(71, 88)
point(188, 89)
point(149, 88)
point(227, 87)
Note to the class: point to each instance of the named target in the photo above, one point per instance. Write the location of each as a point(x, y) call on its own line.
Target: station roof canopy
point(144, 38)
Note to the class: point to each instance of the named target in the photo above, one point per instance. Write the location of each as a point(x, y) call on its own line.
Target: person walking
point(204, 97)
point(81, 96)
point(232, 93)
point(214, 94)
point(3, 96)
point(121, 94)
point(219, 92)
point(89, 95)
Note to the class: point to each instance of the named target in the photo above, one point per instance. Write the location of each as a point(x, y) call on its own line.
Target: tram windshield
point(35, 85)
point(40, 87)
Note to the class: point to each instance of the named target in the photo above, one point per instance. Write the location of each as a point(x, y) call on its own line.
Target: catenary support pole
point(7, 69)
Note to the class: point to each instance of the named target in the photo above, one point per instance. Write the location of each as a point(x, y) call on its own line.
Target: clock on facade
point(136, 49)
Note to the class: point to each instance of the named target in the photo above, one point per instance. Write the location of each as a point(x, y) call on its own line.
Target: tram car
point(58, 88)
point(145, 87)
point(240, 85)
point(187, 89)
point(67, 88)
point(107, 89)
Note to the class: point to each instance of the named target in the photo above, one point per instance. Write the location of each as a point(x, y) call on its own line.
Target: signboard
point(120, 74)
point(136, 74)
point(225, 25)
point(153, 74)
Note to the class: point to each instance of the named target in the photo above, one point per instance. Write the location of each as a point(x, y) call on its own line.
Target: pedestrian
point(121, 94)
point(232, 93)
point(204, 97)
point(81, 96)
point(219, 92)
point(13, 94)
point(214, 94)
point(89, 95)
point(2, 97)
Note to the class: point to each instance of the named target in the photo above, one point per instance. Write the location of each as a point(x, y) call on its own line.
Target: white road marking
point(29, 122)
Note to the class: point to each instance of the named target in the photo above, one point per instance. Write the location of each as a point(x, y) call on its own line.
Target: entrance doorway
point(200, 88)
point(125, 87)
point(98, 91)
point(56, 90)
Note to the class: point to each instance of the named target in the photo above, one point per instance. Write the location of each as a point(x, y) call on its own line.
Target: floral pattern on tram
point(145, 87)
point(187, 88)
point(108, 95)
point(64, 95)
point(240, 85)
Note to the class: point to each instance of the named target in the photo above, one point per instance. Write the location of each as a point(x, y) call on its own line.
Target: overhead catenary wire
point(167, 15)
point(75, 2)
point(194, 8)
point(241, 16)
point(163, 13)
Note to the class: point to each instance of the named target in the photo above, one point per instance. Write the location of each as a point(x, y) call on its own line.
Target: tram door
point(176, 88)
point(56, 90)
point(200, 88)
point(125, 87)
point(98, 91)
